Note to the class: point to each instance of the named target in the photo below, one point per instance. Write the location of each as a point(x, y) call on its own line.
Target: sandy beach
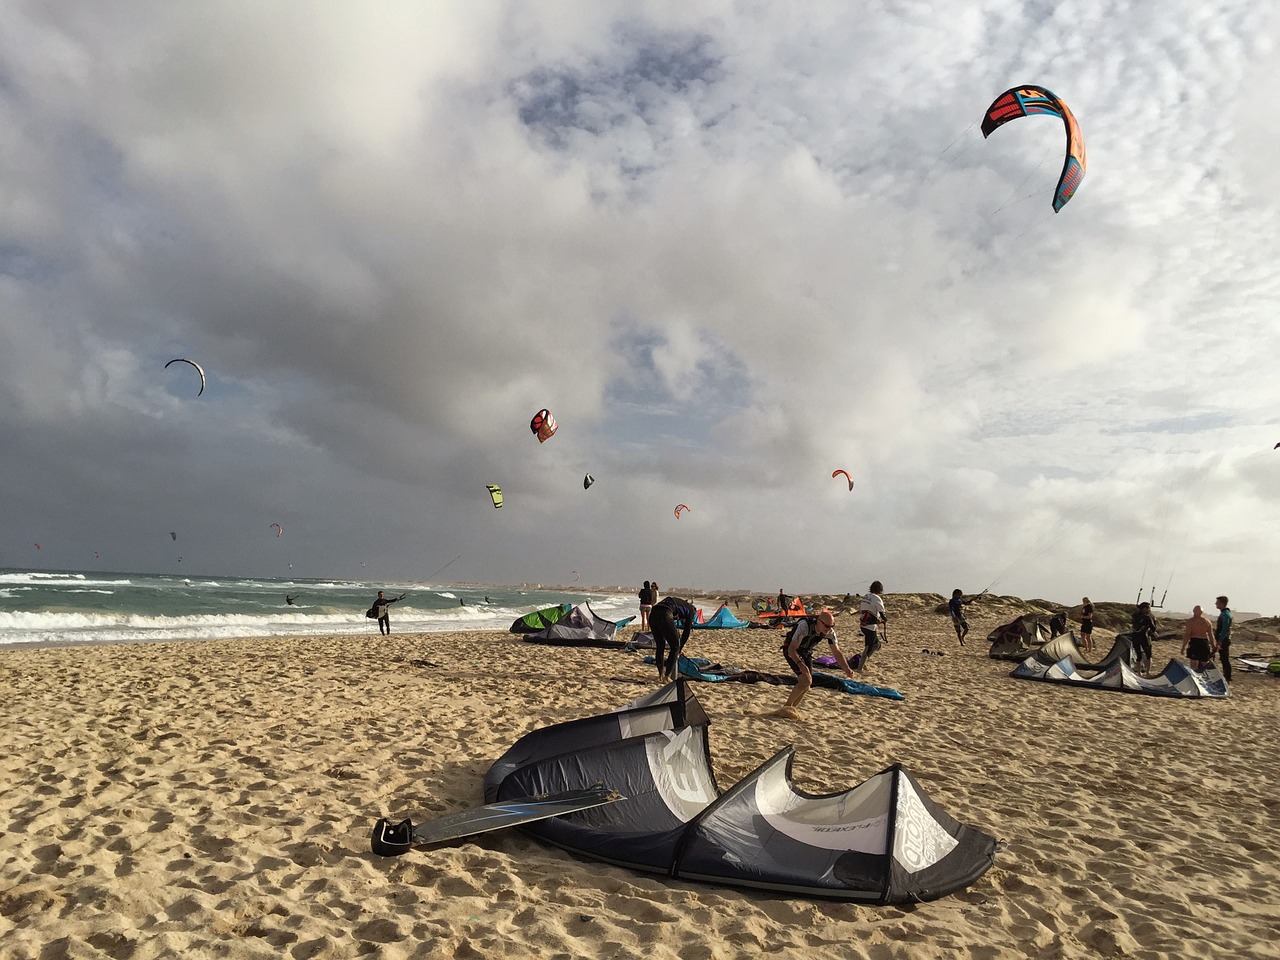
point(215, 799)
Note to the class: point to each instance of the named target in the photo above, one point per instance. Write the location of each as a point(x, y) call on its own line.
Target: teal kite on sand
point(696, 668)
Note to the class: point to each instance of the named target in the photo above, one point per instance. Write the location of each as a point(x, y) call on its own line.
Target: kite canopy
point(540, 619)
point(279, 530)
point(679, 507)
point(1176, 680)
point(495, 492)
point(199, 369)
point(579, 627)
point(587, 481)
point(884, 841)
point(1030, 100)
point(543, 425)
point(843, 473)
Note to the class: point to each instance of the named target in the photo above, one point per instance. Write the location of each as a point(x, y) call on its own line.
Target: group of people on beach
point(670, 620)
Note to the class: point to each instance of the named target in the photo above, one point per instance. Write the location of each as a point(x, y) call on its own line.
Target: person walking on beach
point(380, 611)
point(662, 624)
point(1222, 637)
point(1197, 640)
point(1144, 631)
point(955, 606)
point(646, 604)
point(1086, 625)
point(798, 650)
point(871, 614)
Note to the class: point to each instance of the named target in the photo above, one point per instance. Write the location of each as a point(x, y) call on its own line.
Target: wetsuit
point(806, 632)
point(1144, 628)
point(1222, 636)
point(662, 624)
point(871, 614)
point(956, 606)
point(381, 611)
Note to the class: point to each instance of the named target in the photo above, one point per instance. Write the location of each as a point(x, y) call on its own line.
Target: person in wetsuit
point(662, 624)
point(1144, 631)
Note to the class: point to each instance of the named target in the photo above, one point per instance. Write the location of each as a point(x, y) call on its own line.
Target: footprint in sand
point(782, 713)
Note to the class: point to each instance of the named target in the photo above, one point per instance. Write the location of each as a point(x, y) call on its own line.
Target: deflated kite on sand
point(659, 810)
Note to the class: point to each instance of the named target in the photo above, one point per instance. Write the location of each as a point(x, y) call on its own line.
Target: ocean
point(47, 607)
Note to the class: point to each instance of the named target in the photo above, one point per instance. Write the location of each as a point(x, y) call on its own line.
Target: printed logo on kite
point(679, 507)
point(543, 425)
point(842, 473)
point(1031, 100)
point(495, 492)
point(199, 369)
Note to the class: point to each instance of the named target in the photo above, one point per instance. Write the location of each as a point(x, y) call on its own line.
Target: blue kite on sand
point(697, 668)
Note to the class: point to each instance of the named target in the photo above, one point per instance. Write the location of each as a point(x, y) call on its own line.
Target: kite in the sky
point(587, 481)
point(1030, 100)
point(496, 493)
point(37, 546)
point(836, 473)
point(543, 425)
point(173, 535)
point(279, 530)
point(679, 507)
point(199, 369)
point(1276, 447)
point(97, 555)
point(576, 576)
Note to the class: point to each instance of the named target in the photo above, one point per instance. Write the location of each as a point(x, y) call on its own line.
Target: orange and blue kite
point(1029, 100)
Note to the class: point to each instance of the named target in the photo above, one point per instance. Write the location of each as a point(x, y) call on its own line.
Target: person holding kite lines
point(379, 611)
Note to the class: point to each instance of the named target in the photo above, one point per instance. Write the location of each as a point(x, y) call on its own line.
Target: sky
point(732, 246)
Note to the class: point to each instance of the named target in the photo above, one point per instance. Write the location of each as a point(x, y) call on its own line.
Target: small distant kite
point(543, 425)
point(173, 535)
point(679, 507)
point(588, 480)
point(199, 369)
point(1276, 447)
point(496, 493)
point(1030, 100)
point(845, 473)
point(576, 577)
point(279, 530)
point(37, 546)
point(97, 555)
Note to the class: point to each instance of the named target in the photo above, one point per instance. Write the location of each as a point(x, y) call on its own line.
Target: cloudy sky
point(732, 246)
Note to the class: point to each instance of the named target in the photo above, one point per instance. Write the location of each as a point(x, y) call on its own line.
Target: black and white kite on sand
point(884, 841)
point(1059, 661)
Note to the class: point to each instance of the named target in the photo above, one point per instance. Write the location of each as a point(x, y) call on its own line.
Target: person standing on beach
point(380, 610)
point(798, 650)
point(1222, 637)
point(1197, 640)
point(646, 604)
point(1086, 625)
point(662, 624)
point(1144, 631)
point(955, 606)
point(871, 614)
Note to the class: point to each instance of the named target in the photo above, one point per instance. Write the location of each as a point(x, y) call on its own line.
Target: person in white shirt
point(871, 614)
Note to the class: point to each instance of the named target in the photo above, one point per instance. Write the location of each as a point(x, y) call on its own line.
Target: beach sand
point(216, 799)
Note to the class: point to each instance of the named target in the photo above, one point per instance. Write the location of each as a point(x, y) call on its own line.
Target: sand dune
point(215, 799)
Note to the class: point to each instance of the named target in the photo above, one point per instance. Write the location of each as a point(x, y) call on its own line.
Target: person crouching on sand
point(798, 649)
point(1197, 640)
point(662, 624)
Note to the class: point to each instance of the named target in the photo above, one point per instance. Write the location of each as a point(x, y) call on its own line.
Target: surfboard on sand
point(392, 839)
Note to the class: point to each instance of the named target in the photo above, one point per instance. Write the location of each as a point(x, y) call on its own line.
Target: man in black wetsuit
point(381, 612)
point(662, 624)
point(1144, 631)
